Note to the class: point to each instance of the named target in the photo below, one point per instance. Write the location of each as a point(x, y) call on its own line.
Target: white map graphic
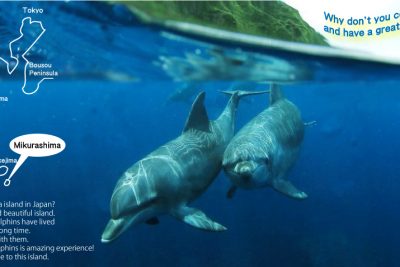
point(14, 56)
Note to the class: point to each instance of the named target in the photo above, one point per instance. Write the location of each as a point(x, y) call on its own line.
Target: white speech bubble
point(34, 145)
point(5, 170)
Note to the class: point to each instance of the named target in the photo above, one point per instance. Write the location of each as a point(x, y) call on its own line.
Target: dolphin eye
point(266, 161)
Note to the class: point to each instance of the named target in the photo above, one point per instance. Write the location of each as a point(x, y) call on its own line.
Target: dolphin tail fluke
point(288, 189)
point(238, 94)
point(230, 108)
point(241, 93)
point(197, 218)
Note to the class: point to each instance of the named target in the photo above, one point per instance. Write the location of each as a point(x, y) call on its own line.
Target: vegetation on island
point(273, 19)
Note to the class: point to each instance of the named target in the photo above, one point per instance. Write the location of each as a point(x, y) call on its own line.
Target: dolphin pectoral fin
point(197, 218)
point(287, 188)
point(231, 192)
point(153, 221)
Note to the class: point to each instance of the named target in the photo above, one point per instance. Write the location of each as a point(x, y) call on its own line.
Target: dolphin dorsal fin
point(198, 118)
point(275, 93)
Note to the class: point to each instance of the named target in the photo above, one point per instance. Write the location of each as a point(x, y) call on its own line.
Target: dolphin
point(264, 150)
point(184, 94)
point(228, 65)
point(175, 174)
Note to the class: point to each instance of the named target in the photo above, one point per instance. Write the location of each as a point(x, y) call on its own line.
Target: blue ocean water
point(110, 106)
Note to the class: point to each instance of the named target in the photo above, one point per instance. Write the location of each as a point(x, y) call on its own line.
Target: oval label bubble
point(34, 145)
point(3, 170)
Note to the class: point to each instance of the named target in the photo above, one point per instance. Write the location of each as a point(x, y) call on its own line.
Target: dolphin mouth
point(245, 169)
point(105, 241)
point(115, 227)
point(247, 174)
point(240, 173)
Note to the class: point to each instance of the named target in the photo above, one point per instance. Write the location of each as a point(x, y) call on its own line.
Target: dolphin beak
point(114, 228)
point(244, 169)
point(112, 231)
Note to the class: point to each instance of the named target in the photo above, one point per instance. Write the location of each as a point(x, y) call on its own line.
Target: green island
point(272, 19)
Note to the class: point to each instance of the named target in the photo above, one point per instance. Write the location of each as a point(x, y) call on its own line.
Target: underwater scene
point(191, 134)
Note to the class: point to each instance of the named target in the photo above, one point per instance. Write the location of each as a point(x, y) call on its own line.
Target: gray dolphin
point(264, 150)
point(169, 178)
point(185, 93)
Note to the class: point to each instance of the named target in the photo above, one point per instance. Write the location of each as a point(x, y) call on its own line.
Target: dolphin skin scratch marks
point(265, 149)
point(175, 174)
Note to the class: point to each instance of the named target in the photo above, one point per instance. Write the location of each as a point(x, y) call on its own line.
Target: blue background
point(348, 164)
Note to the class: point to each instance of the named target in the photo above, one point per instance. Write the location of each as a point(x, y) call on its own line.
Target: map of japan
point(34, 73)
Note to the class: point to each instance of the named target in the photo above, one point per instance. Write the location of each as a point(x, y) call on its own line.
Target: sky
point(385, 45)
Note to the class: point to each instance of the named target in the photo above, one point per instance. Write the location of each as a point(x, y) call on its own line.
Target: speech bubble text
point(34, 145)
